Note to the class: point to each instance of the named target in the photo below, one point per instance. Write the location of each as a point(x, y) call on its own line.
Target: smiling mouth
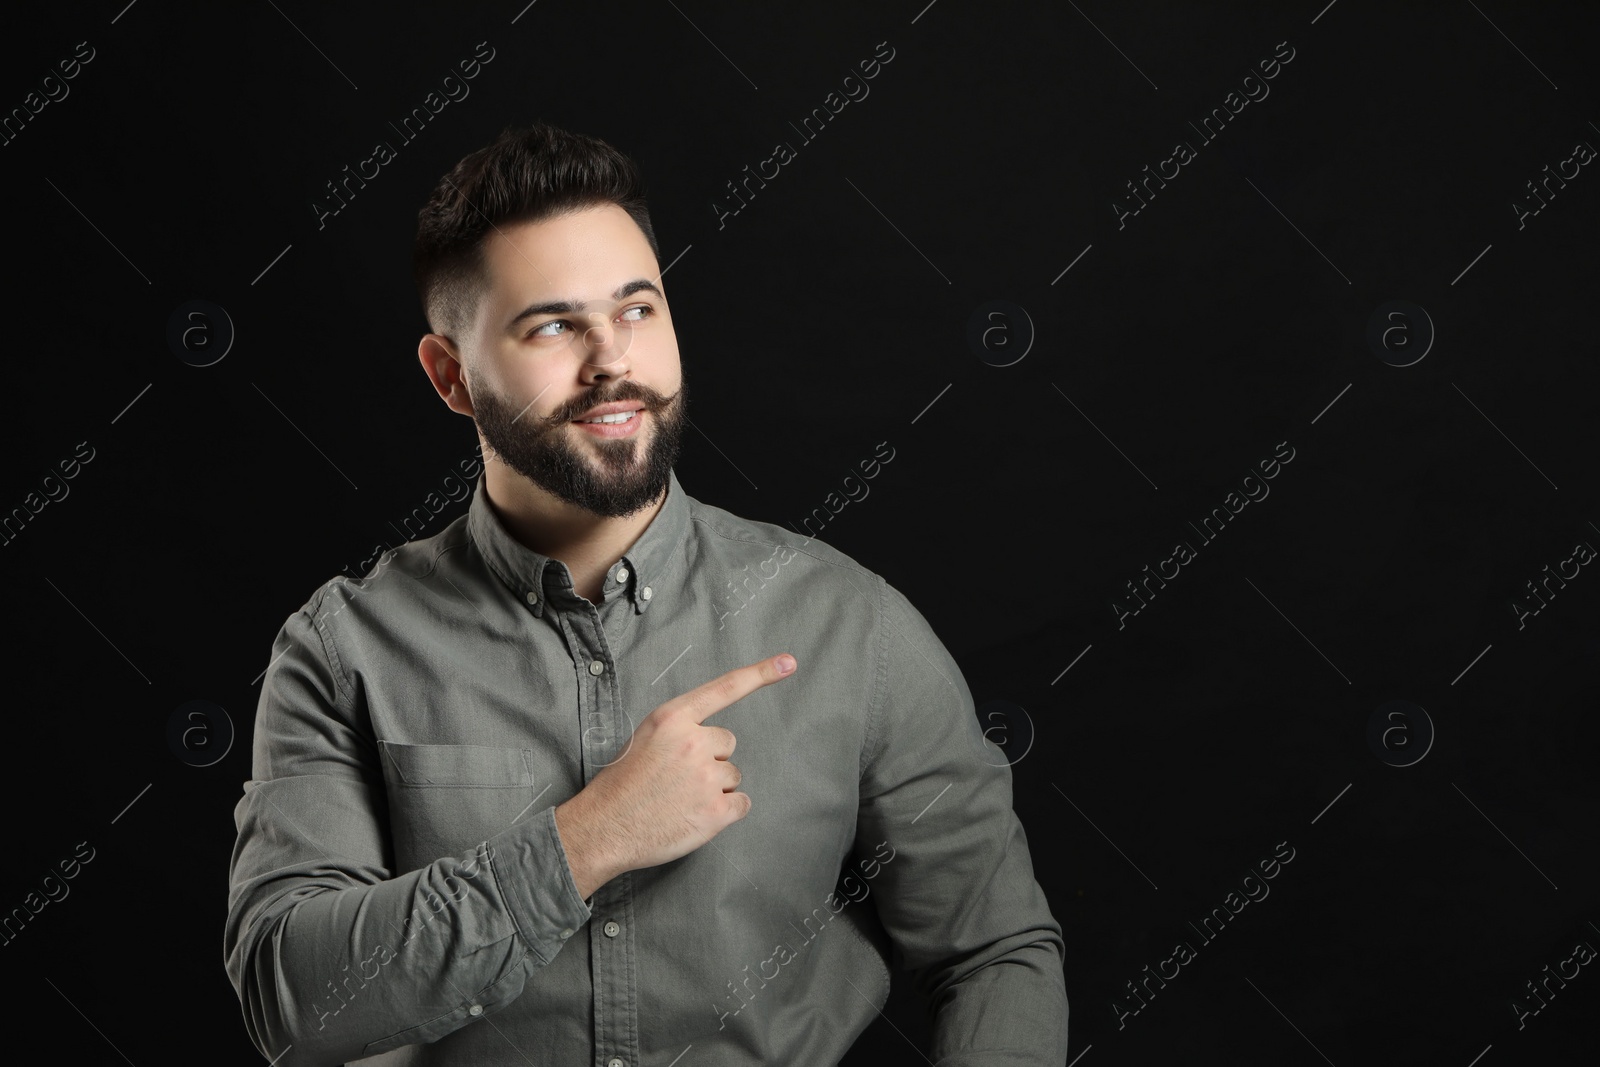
point(617, 419)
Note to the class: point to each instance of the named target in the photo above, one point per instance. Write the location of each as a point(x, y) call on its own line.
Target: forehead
point(580, 255)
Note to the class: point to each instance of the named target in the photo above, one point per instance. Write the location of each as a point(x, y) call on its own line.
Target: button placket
point(596, 700)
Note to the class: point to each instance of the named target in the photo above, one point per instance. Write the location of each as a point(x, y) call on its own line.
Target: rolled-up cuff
point(530, 865)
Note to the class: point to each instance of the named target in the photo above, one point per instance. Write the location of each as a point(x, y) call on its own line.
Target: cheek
point(667, 369)
point(658, 351)
point(535, 383)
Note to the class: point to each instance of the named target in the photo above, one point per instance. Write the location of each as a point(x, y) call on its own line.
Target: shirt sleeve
point(332, 954)
point(954, 884)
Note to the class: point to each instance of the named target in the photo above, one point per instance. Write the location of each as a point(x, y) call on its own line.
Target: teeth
point(621, 416)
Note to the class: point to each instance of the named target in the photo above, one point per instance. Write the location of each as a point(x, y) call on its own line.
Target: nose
point(604, 348)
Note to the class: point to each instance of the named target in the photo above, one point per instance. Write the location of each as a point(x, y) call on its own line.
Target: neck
point(587, 543)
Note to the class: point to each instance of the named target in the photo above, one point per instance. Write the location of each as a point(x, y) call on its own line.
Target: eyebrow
point(566, 307)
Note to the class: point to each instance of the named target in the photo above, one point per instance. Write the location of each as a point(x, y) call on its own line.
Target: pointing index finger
point(706, 700)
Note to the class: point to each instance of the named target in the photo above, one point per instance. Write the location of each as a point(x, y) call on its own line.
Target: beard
point(611, 477)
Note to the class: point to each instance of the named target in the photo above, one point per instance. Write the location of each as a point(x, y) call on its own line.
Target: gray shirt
point(398, 889)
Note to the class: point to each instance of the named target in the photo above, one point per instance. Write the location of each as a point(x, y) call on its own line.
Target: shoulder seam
point(343, 690)
point(798, 550)
point(880, 674)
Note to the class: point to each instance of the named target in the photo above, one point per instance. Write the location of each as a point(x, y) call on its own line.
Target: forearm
point(583, 840)
point(339, 969)
point(1011, 1011)
point(959, 899)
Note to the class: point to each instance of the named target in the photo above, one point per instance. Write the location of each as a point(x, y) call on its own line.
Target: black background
point(830, 314)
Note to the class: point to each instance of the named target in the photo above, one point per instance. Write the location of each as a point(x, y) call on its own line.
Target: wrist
point(586, 860)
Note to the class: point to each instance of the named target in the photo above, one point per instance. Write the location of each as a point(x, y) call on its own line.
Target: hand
point(672, 790)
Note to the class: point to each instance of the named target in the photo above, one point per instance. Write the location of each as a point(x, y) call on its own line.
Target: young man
point(494, 816)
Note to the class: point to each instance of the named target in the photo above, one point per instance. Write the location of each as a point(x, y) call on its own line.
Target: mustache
point(651, 400)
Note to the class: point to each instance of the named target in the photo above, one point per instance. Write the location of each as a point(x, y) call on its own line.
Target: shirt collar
point(534, 578)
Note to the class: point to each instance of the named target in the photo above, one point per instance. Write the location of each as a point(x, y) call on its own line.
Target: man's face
point(575, 318)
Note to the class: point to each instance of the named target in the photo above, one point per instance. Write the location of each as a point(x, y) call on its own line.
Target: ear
point(441, 361)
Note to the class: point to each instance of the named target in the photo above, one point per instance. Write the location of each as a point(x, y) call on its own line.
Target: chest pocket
point(446, 799)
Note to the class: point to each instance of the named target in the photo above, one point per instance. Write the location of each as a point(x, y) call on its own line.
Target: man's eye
point(545, 331)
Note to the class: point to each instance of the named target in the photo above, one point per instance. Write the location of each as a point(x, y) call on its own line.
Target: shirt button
point(533, 598)
point(622, 574)
point(596, 667)
point(612, 929)
point(566, 933)
point(615, 1062)
point(476, 1009)
point(645, 592)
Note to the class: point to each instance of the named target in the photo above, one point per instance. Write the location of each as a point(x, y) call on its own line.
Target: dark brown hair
point(527, 174)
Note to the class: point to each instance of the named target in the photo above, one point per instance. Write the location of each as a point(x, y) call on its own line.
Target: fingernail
point(785, 663)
